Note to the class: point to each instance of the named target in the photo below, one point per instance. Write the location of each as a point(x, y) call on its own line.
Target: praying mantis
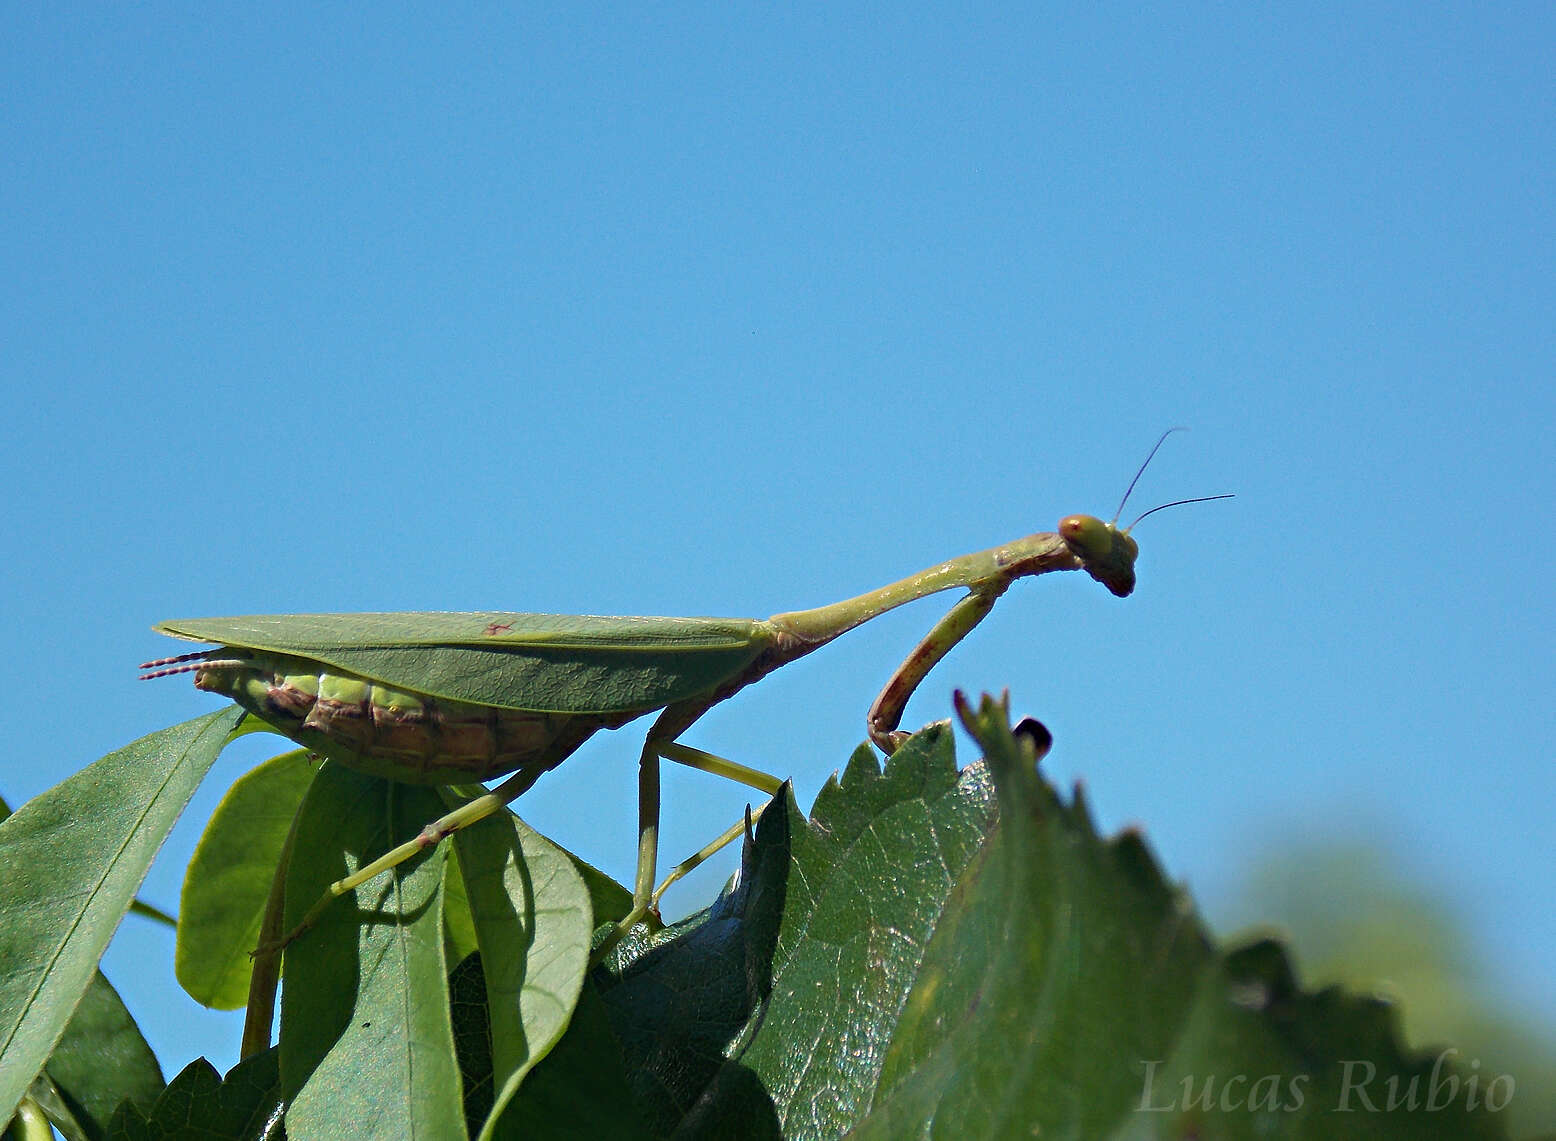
point(449, 698)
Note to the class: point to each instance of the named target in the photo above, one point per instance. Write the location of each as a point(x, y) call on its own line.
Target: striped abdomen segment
point(388, 732)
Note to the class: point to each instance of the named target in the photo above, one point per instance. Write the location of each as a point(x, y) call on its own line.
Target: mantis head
point(1107, 551)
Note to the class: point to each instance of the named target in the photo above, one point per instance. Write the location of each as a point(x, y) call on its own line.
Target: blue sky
point(740, 309)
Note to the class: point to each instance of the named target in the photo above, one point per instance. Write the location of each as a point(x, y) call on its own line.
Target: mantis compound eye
point(1086, 535)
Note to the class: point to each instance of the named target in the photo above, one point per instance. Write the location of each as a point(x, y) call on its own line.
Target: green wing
point(551, 663)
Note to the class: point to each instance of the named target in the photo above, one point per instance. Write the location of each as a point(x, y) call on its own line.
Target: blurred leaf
point(73, 859)
point(1356, 920)
point(229, 879)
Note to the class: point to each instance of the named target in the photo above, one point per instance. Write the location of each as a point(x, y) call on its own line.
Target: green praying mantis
point(450, 698)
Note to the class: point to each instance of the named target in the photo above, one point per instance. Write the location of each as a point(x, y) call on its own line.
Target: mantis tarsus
point(448, 698)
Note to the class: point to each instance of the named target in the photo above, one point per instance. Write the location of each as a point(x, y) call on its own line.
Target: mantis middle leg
point(661, 743)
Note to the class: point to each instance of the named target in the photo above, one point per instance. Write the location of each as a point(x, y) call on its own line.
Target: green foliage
point(932, 952)
point(73, 858)
point(100, 1061)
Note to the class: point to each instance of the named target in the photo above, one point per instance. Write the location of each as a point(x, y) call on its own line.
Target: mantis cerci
point(449, 698)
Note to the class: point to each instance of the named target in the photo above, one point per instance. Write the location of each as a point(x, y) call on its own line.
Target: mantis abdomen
point(388, 732)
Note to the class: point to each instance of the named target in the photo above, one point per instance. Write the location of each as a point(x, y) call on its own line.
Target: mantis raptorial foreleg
point(886, 712)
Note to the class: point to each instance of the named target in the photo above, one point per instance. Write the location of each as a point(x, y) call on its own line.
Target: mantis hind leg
point(476, 809)
point(267, 956)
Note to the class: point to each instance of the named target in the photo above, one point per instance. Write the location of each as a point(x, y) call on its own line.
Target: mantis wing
point(551, 663)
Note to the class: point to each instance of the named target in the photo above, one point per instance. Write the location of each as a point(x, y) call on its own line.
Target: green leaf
point(472, 1038)
point(681, 999)
point(459, 941)
point(608, 900)
point(367, 1047)
point(533, 921)
point(600, 1082)
point(580, 1089)
point(875, 872)
point(73, 859)
point(100, 1061)
point(201, 1106)
point(228, 880)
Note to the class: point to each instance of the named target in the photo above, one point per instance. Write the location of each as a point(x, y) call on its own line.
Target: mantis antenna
point(1179, 503)
point(1128, 491)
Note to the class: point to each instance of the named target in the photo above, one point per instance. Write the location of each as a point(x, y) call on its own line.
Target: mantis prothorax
point(449, 698)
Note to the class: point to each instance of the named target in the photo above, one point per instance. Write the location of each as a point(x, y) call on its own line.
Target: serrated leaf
point(73, 859)
point(965, 957)
point(199, 1105)
point(229, 878)
point(677, 1001)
